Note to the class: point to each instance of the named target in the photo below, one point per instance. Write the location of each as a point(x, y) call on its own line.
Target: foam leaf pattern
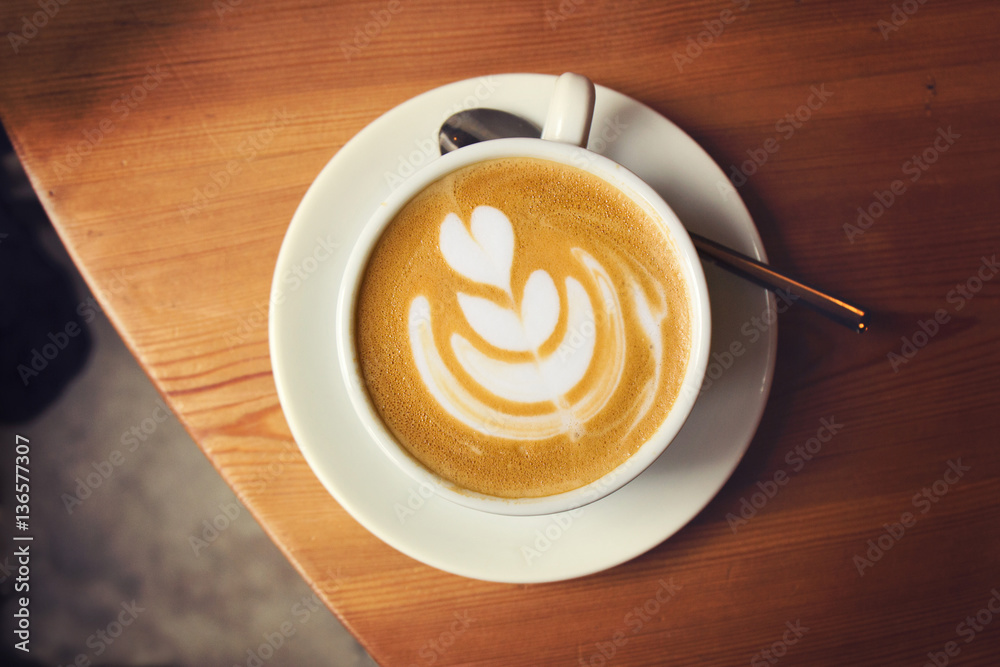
point(495, 324)
point(537, 381)
point(539, 308)
point(503, 328)
point(485, 255)
point(547, 378)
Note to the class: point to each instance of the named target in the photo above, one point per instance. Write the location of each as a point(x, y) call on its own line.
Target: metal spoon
point(474, 125)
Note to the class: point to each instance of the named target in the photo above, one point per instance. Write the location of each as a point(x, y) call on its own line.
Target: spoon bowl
point(474, 125)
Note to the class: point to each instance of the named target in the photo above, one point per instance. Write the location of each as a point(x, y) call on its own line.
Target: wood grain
point(125, 112)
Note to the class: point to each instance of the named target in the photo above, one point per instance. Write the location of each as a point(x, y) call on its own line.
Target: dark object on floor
point(44, 339)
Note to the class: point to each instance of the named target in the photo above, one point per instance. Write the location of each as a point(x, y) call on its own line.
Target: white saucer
point(433, 530)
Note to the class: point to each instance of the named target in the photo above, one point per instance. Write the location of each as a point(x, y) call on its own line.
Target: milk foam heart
point(523, 327)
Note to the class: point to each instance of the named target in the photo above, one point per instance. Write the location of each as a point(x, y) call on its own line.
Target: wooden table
point(881, 548)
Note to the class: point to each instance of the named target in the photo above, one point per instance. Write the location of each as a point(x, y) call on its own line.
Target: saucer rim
point(401, 540)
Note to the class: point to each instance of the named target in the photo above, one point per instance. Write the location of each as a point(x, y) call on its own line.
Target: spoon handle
point(834, 308)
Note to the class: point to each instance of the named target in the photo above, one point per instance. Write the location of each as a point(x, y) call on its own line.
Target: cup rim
point(572, 156)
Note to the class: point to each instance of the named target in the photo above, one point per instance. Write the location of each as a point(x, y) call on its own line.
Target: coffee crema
point(522, 327)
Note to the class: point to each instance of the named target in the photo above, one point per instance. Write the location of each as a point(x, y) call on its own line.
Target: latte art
point(522, 327)
point(525, 325)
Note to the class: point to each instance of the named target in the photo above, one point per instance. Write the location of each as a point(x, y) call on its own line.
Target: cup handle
point(571, 110)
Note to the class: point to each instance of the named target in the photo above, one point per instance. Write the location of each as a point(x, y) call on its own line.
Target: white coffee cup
point(566, 131)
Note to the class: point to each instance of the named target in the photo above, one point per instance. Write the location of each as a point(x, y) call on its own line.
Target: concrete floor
point(124, 570)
